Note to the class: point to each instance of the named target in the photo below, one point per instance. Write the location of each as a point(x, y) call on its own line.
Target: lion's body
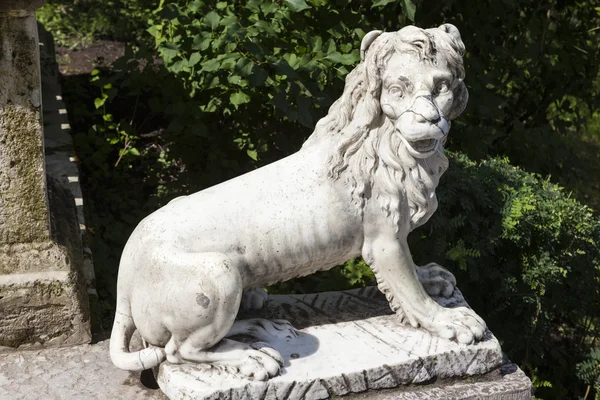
point(268, 235)
point(357, 187)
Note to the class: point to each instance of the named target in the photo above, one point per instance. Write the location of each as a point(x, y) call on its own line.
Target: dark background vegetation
point(203, 91)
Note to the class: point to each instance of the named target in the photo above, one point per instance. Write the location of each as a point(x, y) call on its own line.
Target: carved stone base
point(349, 342)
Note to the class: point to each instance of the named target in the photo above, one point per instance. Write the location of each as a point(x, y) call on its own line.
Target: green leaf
point(134, 151)
point(297, 5)
point(194, 59)
point(195, 6)
point(346, 59)
point(330, 46)
point(316, 43)
point(238, 98)
point(168, 53)
point(229, 20)
point(264, 26)
point(210, 65)
point(252, 154)
point(235, 79)
point(244, 66)
point(381, 3)
point(177, 66)
point(155, 30)
point(212, 19)
point(410, 9)
point(99, 101)
point(201, 43)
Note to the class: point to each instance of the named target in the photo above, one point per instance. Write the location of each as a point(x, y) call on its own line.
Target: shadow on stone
point(148, 380)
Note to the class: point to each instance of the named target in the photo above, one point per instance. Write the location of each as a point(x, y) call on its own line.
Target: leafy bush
point(80, 22)
point(526, 255)
point(589, 372)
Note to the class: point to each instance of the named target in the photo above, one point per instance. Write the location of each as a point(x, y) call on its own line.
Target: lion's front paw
point(436, 280)
point(461, 324)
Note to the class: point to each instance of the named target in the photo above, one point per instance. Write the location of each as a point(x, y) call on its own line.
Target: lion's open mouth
point(423, 146)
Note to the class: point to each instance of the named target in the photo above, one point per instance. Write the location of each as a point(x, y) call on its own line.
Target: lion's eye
point(442, 87)
point(396, 91)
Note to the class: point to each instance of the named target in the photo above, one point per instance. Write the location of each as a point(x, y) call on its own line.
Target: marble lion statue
point(362, 181)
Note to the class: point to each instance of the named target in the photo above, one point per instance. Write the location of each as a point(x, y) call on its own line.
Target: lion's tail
point(120, 338)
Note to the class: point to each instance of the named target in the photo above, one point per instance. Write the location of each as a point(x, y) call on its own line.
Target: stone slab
point(505, 383)
point(349, 342)
point(82, 372)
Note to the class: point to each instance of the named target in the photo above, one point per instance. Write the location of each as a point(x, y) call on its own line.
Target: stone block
point(43, 300)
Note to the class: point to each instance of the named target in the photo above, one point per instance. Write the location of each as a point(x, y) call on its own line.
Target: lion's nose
point(425, 110)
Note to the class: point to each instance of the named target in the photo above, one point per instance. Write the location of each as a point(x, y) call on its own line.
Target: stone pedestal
point(351, 343)
point(42, 297)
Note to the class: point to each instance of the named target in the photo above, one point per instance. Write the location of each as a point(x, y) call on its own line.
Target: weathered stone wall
point(43, 300)
point(22, 175)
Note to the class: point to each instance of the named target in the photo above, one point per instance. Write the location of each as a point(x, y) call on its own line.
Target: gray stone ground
point(82, 372)
point(86, 373)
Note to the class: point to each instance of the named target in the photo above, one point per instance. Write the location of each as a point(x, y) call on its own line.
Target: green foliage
point(261, 73)
point(589, 370)
point(525, 254)
point(79, 22)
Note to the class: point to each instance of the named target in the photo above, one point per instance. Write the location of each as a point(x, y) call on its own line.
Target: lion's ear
point(366, 42)
point(461, 97)
point(458, 44)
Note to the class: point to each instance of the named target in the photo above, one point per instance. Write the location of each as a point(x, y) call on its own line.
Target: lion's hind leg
point(204, 292)
point(257, 360)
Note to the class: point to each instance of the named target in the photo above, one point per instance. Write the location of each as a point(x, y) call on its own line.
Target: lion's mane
point(370, 156)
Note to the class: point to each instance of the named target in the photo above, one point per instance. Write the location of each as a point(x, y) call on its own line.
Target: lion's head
point(392, 120)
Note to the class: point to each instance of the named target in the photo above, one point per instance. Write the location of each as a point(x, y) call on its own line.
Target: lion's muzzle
point(422, 127)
